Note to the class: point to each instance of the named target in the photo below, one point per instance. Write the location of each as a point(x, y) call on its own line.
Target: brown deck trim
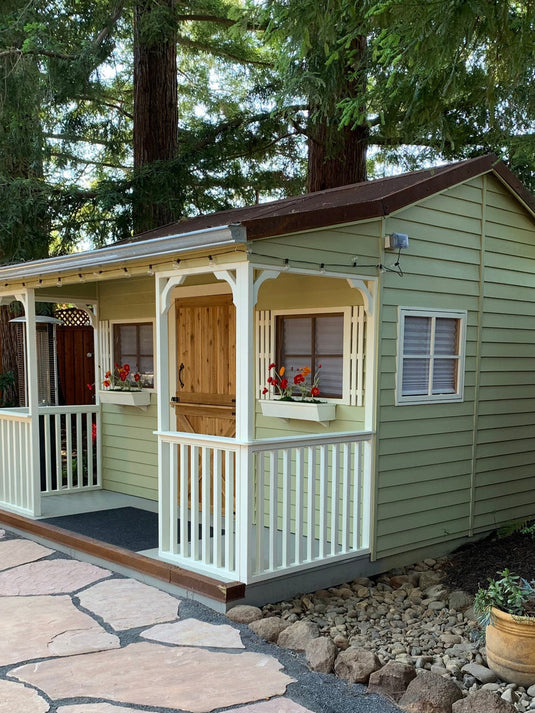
point(214, 589)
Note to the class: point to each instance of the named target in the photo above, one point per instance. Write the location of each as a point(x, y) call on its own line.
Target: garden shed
point(414, 292)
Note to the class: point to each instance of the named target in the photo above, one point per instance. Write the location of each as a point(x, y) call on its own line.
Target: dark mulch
point(472, 565)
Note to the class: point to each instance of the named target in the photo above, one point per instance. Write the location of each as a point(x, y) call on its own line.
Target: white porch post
point(245, 398)
point(33, 401)
point(167, 505)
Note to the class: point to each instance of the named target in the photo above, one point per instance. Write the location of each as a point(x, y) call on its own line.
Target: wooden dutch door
point(205, 401)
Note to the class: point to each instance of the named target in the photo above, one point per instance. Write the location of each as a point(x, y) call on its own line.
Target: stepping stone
point(49, 577)
point(127, 603)
point(146, 674)
point(96, 708)
point(16, 697)
point(16, 552)
point(40, 627)
point(192, 632)
point(275, 705)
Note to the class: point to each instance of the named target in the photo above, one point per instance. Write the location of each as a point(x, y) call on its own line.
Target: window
point(430, 355)
point(133, 344)
point(311, 340)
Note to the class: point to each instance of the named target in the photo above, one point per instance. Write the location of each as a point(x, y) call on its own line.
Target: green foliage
point(510, 593)
point(7, 380)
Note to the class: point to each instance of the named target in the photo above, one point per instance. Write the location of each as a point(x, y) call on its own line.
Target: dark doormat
point(131, 528)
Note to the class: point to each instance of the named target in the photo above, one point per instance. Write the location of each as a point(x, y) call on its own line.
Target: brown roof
point(359, 201)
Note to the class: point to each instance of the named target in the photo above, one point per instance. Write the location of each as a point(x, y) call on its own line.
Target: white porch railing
point(69, 443)
point(255, 511)
point(16, 479)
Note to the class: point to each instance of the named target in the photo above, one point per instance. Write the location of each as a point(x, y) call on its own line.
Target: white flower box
point(299, 410)
point(141, 399)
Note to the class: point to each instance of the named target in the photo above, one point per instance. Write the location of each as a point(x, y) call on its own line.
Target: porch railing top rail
point(87, 408)
point(265, 443)
point(15, 414)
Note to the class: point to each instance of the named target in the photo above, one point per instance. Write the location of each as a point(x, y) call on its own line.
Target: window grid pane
point(133, 345)
point(311, 341)
point(431, 356)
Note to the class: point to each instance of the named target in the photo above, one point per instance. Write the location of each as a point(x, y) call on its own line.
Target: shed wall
point(129, 446)
point(443, 469)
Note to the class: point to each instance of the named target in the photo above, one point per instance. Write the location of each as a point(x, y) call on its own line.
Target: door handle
point(180, 370)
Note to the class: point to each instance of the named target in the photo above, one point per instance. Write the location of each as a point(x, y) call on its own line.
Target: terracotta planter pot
point(511, 647)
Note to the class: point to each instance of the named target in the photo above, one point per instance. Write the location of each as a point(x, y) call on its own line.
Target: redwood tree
point(155, 108)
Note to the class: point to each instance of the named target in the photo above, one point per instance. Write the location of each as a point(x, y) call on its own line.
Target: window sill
point(300, 411)
point(140, 399)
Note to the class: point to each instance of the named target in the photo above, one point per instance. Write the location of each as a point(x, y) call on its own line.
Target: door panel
point(205, 401)
point(206, 358)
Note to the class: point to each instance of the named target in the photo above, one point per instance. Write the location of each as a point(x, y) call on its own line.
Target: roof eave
point(170, 245)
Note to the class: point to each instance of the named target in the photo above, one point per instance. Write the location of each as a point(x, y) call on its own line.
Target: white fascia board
point(121, 254)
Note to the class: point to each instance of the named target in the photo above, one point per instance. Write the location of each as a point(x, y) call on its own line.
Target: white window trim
point(139, 320)
point(461, 315)
point(346, 311)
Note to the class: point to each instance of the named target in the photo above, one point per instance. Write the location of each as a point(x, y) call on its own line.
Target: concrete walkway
point(77, 638)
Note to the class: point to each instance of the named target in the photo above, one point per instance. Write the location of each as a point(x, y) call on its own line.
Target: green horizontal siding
point(130, 450)
point(429, 465)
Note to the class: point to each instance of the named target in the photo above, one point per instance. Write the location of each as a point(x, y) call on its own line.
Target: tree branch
point(219, 52)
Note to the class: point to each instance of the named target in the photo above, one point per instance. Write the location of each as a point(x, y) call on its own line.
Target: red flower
point(94, 432)
point(264, 390)
point(126, 367)
point(90, 387)
point(275, 382)
point(270, 379)
point(284, 383)
point(106, 383)
point(123, 375)
point(299, 379)
point(272, 366)
point(137, 377)
point(314, 391)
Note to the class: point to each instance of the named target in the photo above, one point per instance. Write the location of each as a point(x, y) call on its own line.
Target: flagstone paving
point(187, 678)
point(127, 603)
point(16, 698)
point(43, 626)
point(76, 638)
point(192, 632)
point(49, 577)
point(16, 552)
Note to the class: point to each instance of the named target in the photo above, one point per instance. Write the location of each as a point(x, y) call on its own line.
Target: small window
point(313, 340)
point(133, 345)
point(430, 356)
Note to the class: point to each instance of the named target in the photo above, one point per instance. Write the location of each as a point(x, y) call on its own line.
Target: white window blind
point(431, 356)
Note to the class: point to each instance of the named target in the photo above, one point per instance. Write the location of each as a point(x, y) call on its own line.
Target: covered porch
point(268, 497)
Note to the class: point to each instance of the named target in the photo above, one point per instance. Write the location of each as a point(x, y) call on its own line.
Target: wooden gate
point(76, 361)
point(205, 401)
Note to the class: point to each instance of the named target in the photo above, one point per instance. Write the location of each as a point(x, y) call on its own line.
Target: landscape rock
point(460, 601)
point(244, 614)
point(298, 635)
point(482, 673)
point(356, 665)
point(428, 578)
point(430, 693)
point(320, 654)
point(268, 629)
point(392, 679)
point(482, 702)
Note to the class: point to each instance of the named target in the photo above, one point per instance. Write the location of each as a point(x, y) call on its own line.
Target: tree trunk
point(337, 156)
point(155, 108)
point(8, 357)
